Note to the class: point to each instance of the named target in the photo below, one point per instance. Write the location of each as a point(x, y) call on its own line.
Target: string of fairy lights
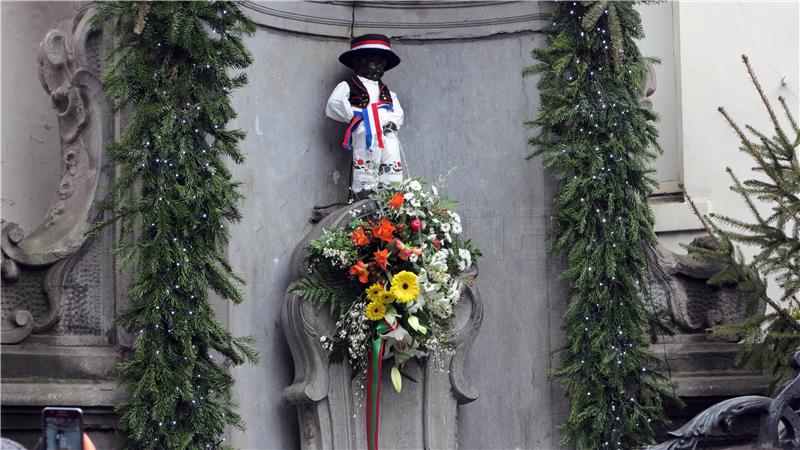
point(606, 316)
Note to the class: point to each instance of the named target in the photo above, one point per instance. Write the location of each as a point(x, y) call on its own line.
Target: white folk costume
point(367, 106)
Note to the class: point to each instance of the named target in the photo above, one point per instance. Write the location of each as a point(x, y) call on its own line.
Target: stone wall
point(465, 101)
point(29, 127)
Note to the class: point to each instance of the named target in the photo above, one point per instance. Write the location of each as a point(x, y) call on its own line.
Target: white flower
point(408, 195)
point(457, 228)
point(414, 185)
point(416, 305)
point(465, 259)
point(435, 191)
point(413, 258)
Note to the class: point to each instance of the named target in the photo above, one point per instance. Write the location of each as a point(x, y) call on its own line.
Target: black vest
point(359, 97)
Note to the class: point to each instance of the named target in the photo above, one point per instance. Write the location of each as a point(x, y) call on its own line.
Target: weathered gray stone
point(403, 20)
point(69, 69)
point(680, 284)
point(59, 294)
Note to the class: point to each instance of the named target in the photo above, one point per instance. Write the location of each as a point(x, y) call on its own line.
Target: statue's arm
point(396, 116)
point(338, 107)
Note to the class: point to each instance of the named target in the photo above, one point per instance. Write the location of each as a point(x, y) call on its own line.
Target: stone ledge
point(730, 385)
point(39, 360)
point(85, 393)
point(421, 20)
point(673, 217)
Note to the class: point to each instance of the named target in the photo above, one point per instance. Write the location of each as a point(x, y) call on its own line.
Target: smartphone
point(62, 428)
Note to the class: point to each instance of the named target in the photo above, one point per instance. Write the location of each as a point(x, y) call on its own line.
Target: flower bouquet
point(391, 279)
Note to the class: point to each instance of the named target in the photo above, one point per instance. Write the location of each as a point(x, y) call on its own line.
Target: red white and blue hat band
point(371, 44)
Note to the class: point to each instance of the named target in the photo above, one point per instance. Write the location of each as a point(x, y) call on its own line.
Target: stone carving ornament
point(330, 401)
point(680, 283)
point(69, 67)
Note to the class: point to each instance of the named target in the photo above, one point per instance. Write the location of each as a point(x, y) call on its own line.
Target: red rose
point(415, 225)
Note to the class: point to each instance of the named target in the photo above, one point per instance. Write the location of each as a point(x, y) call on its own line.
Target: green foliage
point(599, 143)
point(769, 338)
point(173, 197)
point(328, 285)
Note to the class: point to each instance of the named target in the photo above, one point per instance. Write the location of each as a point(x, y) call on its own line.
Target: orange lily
point(384, 231)
point(359, 237)
point(360, 269)
point(396, 201)
point(382, 258)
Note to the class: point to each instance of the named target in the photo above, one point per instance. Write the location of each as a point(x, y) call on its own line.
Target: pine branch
point(764, 100)
point(764, 165)
point(789, 117)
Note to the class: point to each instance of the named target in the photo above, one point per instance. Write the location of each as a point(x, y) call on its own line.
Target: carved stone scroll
point(330, 402)
point(70, 60)
point(680, 283)
point(780, 424)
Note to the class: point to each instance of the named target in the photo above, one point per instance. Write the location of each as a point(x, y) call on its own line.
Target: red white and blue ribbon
point(372, 125)
point(373, 388)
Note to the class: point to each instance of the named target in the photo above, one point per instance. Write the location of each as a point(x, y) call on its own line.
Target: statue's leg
point(365, 169)
point(391, 167)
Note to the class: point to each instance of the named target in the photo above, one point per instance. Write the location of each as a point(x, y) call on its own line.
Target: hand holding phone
point(63, 429)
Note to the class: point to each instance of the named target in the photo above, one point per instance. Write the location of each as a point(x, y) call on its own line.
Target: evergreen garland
point(599, 143)
point(173, 197)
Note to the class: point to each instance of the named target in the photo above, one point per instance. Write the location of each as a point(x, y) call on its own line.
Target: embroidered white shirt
point(340, 109)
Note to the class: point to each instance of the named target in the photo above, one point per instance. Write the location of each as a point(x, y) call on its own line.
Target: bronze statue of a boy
point(372, 111)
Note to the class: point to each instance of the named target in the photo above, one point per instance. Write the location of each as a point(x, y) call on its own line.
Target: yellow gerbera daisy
point(375, 311)
point(405, 287)
point(386, 297)
point(374, 292)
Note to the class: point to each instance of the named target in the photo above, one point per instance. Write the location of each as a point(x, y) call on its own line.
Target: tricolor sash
point(372, 125)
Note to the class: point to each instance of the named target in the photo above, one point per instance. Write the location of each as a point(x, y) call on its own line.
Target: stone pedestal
point(330, 401)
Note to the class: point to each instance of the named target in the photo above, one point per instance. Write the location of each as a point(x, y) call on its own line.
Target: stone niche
point(59, 291)
point(460, 84)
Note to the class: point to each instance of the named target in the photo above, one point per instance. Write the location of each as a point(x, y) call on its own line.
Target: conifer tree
point(174, 67)
point(599, 142)
point(770, 337)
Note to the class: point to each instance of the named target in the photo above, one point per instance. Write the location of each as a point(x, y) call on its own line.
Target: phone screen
point(63, 428)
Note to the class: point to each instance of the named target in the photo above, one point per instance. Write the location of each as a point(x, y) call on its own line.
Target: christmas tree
point(770, 337)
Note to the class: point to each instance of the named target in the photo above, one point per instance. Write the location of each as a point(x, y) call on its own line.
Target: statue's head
point(370, 55)
point(369, 65)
